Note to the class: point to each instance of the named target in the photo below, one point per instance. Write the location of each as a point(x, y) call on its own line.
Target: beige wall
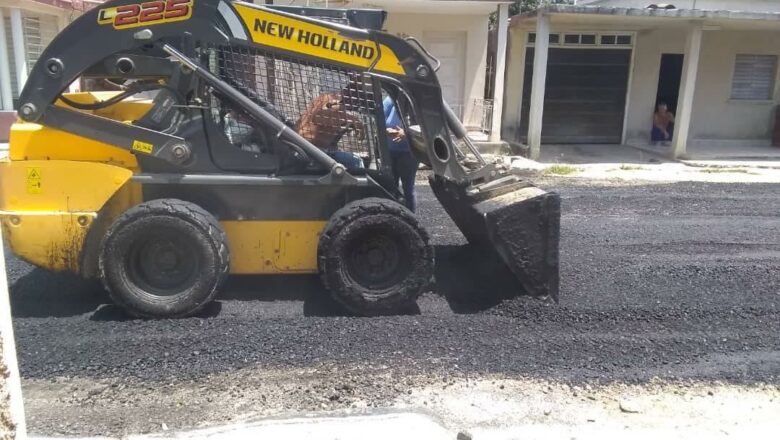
point(715, 115)
point(476, 28)
point(415, 17)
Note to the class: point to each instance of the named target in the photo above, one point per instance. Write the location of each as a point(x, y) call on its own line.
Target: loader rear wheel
point(375, 257)
point(164, 259)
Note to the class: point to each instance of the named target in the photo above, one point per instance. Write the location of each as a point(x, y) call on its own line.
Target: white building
point(594, 72)
point(26, 28)
point(455, 31)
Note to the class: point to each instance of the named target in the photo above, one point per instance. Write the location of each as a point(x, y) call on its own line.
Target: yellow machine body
point(56, 186)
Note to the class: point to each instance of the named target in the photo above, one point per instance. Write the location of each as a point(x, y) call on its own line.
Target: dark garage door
point(585, 95)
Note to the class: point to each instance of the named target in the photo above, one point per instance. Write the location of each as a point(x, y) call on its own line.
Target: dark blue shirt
point(393, 120)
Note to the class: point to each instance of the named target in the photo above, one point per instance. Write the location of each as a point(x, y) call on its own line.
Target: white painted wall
point(416, 17)
point(476, 28)
point(717, 5)
point(715, 115)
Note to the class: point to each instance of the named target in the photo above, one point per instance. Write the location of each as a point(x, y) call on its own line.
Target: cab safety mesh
point(333, 108)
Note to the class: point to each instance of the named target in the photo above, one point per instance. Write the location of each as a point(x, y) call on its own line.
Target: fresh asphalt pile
point(674, 281)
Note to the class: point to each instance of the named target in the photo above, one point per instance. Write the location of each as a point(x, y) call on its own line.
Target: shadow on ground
point(463, 277)
point(43, 294)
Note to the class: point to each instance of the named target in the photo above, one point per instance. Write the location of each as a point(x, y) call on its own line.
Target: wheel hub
point(376, 260)
point(165, 264)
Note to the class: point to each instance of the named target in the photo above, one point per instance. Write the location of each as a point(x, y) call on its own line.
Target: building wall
point(415, 17)
point(648, 48)
point(718, 5)
point(476, 28)
point(715, 116)
point(40, 24)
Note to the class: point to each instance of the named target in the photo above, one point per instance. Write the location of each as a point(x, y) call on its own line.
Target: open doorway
point(669, 79)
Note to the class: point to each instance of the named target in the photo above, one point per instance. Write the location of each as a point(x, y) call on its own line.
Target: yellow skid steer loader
point(242, 139)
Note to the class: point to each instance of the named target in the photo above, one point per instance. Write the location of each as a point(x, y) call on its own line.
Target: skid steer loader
point(215, 154)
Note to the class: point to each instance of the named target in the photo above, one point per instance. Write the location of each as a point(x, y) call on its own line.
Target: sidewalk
point(415, 426)
point(3, 150)
point(626, 162)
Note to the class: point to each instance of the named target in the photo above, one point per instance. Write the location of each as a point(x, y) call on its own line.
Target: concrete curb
point(748, 163)
point(13, 382)
point(419, 426)
point(391, 426)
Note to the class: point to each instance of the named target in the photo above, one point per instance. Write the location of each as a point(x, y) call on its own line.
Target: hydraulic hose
point(133, 89)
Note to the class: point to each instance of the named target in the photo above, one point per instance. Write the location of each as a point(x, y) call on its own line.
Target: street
point(670, 282)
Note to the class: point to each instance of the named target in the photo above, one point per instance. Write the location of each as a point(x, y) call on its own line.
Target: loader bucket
point(514, 219)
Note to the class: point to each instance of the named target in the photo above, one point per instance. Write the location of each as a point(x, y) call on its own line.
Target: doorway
point(450, 49)
point(669, 78)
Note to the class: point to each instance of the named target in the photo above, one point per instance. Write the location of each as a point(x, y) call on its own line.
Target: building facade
point(455, 31)
point(26, 28)
point(602, 66)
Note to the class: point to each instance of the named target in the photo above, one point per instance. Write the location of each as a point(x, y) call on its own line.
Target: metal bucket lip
point(495, 219)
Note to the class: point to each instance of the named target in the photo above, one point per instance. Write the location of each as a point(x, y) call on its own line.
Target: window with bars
point(38, 31)
point(754, 77)
point(586, 39)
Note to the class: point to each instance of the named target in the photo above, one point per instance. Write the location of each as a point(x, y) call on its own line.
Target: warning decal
point(143, 147)
point(34, 180)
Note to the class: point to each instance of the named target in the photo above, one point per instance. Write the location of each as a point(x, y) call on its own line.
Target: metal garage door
point(585, 95)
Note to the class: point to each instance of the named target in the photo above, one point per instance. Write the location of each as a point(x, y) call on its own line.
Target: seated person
point(323, 124)
point(663, 125)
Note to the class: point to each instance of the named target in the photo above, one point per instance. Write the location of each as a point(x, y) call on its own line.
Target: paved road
point(674, 281)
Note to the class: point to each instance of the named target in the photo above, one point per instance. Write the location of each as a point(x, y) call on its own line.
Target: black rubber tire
point(387, 226)
point(183, 240)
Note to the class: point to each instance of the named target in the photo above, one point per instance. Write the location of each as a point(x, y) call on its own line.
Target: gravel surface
point(677, 282)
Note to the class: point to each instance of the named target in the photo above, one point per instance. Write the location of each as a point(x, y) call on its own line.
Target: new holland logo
point(146, 14)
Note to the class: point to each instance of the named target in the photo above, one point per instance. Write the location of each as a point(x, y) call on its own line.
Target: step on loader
point(232, 138)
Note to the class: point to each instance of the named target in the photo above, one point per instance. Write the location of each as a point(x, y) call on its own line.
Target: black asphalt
point(677, 281)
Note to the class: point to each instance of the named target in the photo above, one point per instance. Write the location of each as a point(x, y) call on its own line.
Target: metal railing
point(480, 115)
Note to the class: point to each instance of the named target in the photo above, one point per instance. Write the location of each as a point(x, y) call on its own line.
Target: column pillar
point(498, 89)
point(687, 90)
point(20, 55)
point(6, 93)
point(13, 383)
point(541, 48)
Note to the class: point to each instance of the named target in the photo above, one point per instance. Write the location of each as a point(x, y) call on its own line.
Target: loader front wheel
point(164, 259)
point(375, 257)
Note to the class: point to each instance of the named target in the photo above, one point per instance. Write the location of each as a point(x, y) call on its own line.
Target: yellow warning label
point(283, 32)
point(34, 180)
point(143, 147)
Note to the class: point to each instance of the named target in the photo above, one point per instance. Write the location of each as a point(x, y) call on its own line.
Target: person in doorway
point(402, 161)
point(663, 125)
